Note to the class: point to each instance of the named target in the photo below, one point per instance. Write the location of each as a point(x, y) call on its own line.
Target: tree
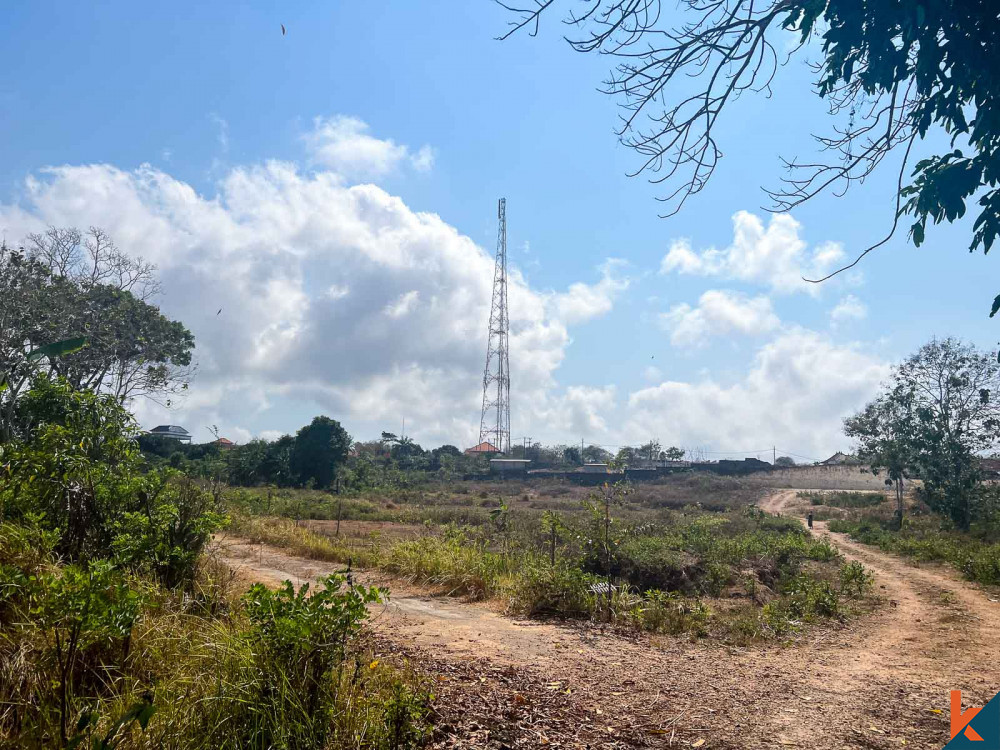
point(595, 454)
point(447, 450)
point(673, 453)
point(954, 389)
point(320, 448)
point(891, 73)
point(571, 454)
point(650, 451)
point(62, 291)
point(885, 431)
point(784, 461)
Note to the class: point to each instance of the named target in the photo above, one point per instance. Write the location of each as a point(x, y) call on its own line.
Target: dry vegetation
point(690, 554)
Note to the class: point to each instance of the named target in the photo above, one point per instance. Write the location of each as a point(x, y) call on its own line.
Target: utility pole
point(494, 421)
point(774, 455)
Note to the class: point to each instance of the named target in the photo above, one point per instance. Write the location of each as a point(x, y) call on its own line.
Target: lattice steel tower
point(494, 425)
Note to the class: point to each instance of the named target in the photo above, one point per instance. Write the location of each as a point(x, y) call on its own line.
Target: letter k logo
point(960, 720)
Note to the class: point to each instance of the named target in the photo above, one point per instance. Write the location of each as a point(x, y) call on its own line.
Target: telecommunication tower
point(494, 425)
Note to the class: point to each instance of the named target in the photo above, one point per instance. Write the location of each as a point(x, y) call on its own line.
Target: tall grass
point(212, 674)
point(665, 577)
point(844, 499)
point(927, 538)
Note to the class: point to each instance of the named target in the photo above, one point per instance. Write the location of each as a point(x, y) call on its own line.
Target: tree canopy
point(891, 71)
point(937, 415)
point(319, 449)
point(64, 288)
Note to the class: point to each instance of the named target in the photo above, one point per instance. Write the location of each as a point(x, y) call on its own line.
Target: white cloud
point(795, 395)
point(849, 308)
point(335, 299)
point(720, 312)
point(344, 145)
point(222, 128)
point(585, 301)
point(774, 256)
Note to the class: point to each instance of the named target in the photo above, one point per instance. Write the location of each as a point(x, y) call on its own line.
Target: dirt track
point(881, 682)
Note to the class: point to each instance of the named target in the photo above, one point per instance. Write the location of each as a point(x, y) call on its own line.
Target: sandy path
point(876, 683)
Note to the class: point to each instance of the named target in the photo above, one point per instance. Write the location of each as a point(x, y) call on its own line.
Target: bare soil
point(879, 682)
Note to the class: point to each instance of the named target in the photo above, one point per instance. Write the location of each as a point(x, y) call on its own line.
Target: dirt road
point(880, 682)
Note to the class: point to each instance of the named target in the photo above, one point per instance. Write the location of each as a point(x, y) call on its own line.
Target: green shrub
point(561, 590)
point(299, 642)
point(79, 474)
point(929, 539)
point(855, 579)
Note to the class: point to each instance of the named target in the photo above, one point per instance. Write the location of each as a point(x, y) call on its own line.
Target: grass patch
point(738, 574)
point(204, 669)
point(843, 499)
point(929, 539)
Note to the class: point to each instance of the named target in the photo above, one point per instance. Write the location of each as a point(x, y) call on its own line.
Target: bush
point(299, 642)
point(929, 539)
point(79, 474)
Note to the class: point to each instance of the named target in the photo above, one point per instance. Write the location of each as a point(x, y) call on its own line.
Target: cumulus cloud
point(798, 389)
point(719, 312)
point(344, 144)
point(774, 255)
point(849, 308)
point(334, 299)
point(585, 301)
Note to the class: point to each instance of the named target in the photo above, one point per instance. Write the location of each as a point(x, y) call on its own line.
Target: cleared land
point(877, 682)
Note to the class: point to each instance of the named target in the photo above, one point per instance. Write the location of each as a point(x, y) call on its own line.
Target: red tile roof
point(483, 448)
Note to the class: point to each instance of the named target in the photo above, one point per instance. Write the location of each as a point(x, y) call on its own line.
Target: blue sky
point(421, 103)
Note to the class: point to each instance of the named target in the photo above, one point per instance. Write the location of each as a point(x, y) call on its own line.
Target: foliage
point(891, 74)
point(78, 474)
point(70, 288)
point(320, 448)
point(955, 392)
point(885, 430)
point(844, 499)
point(928, 539)
point(144, 658)
point(87, 615)
point(303, 637)
point(940, 410)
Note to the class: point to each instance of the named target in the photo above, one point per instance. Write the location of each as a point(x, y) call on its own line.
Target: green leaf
point(996, 305)
point(58, 348)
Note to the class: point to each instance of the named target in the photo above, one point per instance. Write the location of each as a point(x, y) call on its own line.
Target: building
point(172, 431)
point(509, 466)
point(595, 468)
point(224, 444)
point(841, 459)
point(481, 448)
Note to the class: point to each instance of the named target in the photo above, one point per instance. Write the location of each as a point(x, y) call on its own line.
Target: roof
point(223, 441)
point(484, 447)
point(169, 429)
point(839, 459)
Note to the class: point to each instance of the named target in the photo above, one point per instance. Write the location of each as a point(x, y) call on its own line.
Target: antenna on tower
point(494, 424)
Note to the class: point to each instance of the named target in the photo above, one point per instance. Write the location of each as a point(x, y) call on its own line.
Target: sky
point(333, 191)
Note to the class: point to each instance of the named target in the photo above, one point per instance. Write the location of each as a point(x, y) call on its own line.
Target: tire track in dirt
point(936, 634)
point(877, 682)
